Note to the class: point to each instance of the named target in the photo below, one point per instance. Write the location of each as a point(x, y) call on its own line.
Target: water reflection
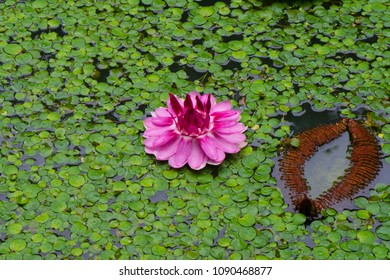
point(327, 165)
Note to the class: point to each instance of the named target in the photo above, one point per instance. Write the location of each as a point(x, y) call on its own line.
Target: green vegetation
point(78, 78)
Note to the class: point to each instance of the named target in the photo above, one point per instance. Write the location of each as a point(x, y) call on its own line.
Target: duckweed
point(75, 181)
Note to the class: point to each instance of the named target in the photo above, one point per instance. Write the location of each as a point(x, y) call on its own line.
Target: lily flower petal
point(196, 130)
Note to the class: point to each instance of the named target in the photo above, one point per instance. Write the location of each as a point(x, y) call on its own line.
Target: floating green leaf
point(39, 4)
point(366, 237)
point(77, 181)
point(12, 49)
point(247, 233)
point(320, 253)
point(247, 220)
point(104, 148)
point(14, 228)
point(383, 232)
point(298, 219)
point(17, 245)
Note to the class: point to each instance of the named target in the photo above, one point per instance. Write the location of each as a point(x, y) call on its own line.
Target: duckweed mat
point(77, 79)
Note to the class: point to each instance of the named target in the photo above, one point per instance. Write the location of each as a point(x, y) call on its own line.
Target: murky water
point(317, 179)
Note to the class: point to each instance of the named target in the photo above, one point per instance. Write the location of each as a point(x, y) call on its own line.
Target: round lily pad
point(43, 217)
point(247, 220)
point(17, 245)
point(159, 250)
point(12, 49)
point(104, 148)
point(77, 180)
point(320, 253)
point(170, 174)
point(366, 237)
point(298, 219)
point(39, 4)
point(383, 232)
point(247, 233)
point(15, 228)
point(77, 252)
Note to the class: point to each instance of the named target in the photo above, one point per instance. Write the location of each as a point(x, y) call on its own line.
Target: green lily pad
point(159, 250)
point(299, 219)
point(15, 228)
point(18, 245)
point(58, 206)
point(170, 174)
point(380, 252)
point(354, 245)
point(39, 4)
point(247, 220)
point(383, 232)
point(12, 49)
point(104, 148)
point(366, 237)
point(206, 11)
point(42, 218)
point(247, 233)
point(361, 202)
point(77, 252)
point(77, 181)
point(320, 253)
point(363, 214)
point(10, 170)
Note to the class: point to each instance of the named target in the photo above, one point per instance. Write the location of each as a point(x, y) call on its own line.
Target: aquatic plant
point(197, 130)
point(365, 164)
point(78, 78)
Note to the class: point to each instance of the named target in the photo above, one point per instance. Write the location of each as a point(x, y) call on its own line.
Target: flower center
point(194, 119)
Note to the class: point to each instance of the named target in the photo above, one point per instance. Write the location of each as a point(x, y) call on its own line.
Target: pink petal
point(205, 97)
point(209, 147)
point(205, 105)
point(158, 123)
point(175, 105)
point(167, 121)
point(148, 122)
point(238, 128)
point(149, 150)
point(197, 159)
point(242, 144)
point(226, 146)
point(180, 158)
point(153, 132)
point(166, 151)
point(229, 115)
point(199, 104)
point(163, 139)
point(218, 125)
point(193, 95)
point(188, 102)
point(221, 106)
point(236, 138)
point(221, 157)
point(191, 121)
point(157, 126)
point(162, 112)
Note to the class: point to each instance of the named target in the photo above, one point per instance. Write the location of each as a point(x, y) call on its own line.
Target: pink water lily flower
point(197, 131)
